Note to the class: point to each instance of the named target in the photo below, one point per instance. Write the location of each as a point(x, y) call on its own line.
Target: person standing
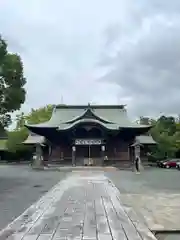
point(137, 163)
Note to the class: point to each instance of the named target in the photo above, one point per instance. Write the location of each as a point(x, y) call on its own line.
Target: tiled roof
point(33, 139)
point(112, 117)
point(145, 139)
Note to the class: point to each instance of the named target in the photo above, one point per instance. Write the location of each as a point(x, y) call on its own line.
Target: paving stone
point(84, 206)
point(103, 229)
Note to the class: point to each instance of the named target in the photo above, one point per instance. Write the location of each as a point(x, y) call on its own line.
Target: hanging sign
point(88, 142)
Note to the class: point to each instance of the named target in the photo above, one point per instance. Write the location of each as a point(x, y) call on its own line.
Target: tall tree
point(12, 81)
point(20, 121)
point(20, 132)
point(39, 115)
point(166, 134)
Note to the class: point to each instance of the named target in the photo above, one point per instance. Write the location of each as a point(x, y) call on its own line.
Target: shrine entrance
point(89, 151)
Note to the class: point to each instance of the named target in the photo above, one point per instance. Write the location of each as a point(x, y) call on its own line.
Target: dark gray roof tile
point(115, 115)
point(33, 139)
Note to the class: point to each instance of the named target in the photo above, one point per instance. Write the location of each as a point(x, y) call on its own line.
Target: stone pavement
point(160, 211)
point(154, 195)
point(83, 206)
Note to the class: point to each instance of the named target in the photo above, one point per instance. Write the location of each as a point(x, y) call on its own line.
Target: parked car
point(160, 162)
point(170, 163)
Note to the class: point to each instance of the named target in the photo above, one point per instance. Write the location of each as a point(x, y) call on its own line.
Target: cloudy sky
point(99, 51)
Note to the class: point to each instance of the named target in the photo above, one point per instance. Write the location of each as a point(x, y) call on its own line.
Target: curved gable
point(89, 114)
point(66, 126)
point(110, 115)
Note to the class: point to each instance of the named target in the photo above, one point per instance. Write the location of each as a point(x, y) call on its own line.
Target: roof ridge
point(93, 106)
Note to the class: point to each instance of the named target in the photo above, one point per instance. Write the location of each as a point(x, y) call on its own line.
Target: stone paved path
point(160, 211)
point(84, 206)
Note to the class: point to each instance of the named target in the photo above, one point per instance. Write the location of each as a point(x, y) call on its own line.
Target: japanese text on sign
point(88, 142)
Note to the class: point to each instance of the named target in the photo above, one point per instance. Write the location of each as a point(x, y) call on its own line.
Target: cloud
point(97, 51)
point(147, 64)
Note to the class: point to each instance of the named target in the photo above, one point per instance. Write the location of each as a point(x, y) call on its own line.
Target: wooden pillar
point(49, 152)
point(128, 152)
point(73, 155)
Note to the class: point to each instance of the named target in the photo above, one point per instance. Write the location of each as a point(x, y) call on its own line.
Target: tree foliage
point(166, 133)
point(12, 81)
point(39, 115)
point(15, 139)
point(20, 132)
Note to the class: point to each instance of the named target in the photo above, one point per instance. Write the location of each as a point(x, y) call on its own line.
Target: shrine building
point(76, 133)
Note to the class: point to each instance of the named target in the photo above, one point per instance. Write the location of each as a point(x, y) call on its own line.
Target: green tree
point(20, 121)
point(12, 81)
point(39, 115)
point(15, 139)
point(166, 134)
point(20, 133)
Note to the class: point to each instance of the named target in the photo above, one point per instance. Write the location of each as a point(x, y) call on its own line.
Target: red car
point(170, 163)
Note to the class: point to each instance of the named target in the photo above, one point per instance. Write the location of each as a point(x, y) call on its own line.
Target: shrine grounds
point(154, 194)
point(20, 186)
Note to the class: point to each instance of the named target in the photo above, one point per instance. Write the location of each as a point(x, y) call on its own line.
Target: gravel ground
point(154, 180)
point(20, 187)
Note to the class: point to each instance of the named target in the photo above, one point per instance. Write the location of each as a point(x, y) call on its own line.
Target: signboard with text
point(88, 142)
